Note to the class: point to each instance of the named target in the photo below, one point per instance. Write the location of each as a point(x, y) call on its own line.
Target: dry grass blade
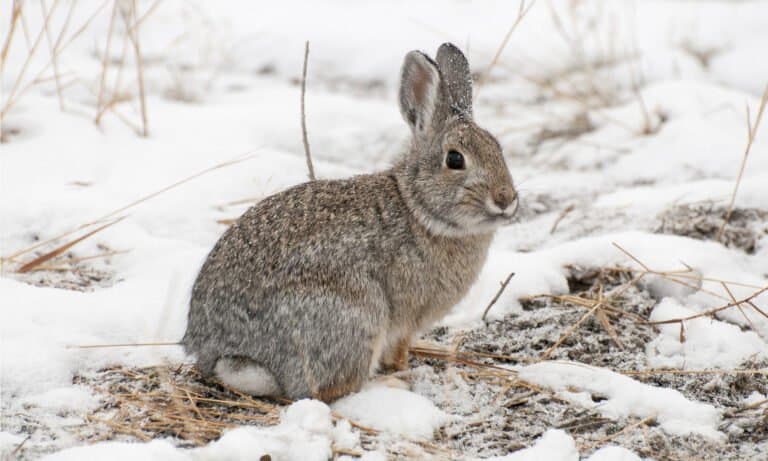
point(751, 406)
point(105, 61)
point(100, 346)
point(61, 249)
point(465, 358)
point(738, 306)
point(752, 131)
point(615, 435)
point(677, 371)
point(133, 35)
point(521, 13)
point(52, 50)
point(15, 15)
point(304, 138)
point(20, 445)
point(560, 217)
point(498, 294)
point(631, 256)
point(606, 323)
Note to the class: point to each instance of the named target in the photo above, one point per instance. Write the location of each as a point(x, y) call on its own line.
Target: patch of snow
point(393, 410)
point(613, 453)
point(553, 445)
point(707, 343)
point(625, 397)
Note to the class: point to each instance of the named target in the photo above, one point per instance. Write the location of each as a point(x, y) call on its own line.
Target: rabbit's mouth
point(501, 217)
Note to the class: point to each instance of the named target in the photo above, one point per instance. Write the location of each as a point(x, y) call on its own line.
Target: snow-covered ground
point(622, 122)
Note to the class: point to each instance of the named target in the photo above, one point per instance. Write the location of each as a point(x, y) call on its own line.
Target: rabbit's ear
point(419, 91)
point(457, 79)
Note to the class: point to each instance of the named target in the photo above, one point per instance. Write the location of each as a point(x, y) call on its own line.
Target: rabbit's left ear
point(456, 78)
point(419, 91)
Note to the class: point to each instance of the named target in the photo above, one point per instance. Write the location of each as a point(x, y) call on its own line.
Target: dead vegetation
point(47, 255)
point(111, 95)
point(507, 414)
point(602, 321)
point(149, 403)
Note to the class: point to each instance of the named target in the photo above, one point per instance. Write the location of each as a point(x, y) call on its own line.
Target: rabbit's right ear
point(419, 87)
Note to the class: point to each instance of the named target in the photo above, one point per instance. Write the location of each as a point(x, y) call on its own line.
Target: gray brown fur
point(311, 281)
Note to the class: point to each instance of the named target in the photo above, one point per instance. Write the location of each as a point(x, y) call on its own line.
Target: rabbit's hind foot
point(247, 376)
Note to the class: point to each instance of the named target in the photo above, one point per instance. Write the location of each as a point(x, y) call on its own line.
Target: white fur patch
point(251, 379)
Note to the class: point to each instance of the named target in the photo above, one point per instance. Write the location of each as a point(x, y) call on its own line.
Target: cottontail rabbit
point(315, 287)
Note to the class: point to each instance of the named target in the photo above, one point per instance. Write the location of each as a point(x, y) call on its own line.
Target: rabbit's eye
point(454, 160)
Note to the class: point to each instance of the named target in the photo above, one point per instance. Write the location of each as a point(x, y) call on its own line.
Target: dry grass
point(751, 132)
point(691, 279)
point(22, 82)
point(103, 222)
point(149, 403)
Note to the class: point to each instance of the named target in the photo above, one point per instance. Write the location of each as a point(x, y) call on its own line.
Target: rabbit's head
point(454, 175)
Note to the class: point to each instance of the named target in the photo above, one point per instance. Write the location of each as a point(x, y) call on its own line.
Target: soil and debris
point(704, 221)
point(71, 270)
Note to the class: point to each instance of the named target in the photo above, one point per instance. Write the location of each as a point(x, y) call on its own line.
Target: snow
point(393, 410)
point(707, 343)
point(554, 445)
point(613, 453)
point(220, 87)
point(624, 397)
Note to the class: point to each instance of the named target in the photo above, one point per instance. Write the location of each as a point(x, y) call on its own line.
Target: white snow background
point(221, 83)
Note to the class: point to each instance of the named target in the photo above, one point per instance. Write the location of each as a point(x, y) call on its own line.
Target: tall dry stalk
point(54, 59)
point(751, 132)
point(131, 23)
point(304, 114)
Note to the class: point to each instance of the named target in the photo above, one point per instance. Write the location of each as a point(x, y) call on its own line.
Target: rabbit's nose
point(503, 197)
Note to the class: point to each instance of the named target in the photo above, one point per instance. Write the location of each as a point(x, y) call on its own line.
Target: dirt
point(71, 271)
point(704, 221)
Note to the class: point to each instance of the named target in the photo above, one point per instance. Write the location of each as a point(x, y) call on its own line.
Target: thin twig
point(303, 114)
point(709, 312)
point(562, 216)
point(498, 294)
